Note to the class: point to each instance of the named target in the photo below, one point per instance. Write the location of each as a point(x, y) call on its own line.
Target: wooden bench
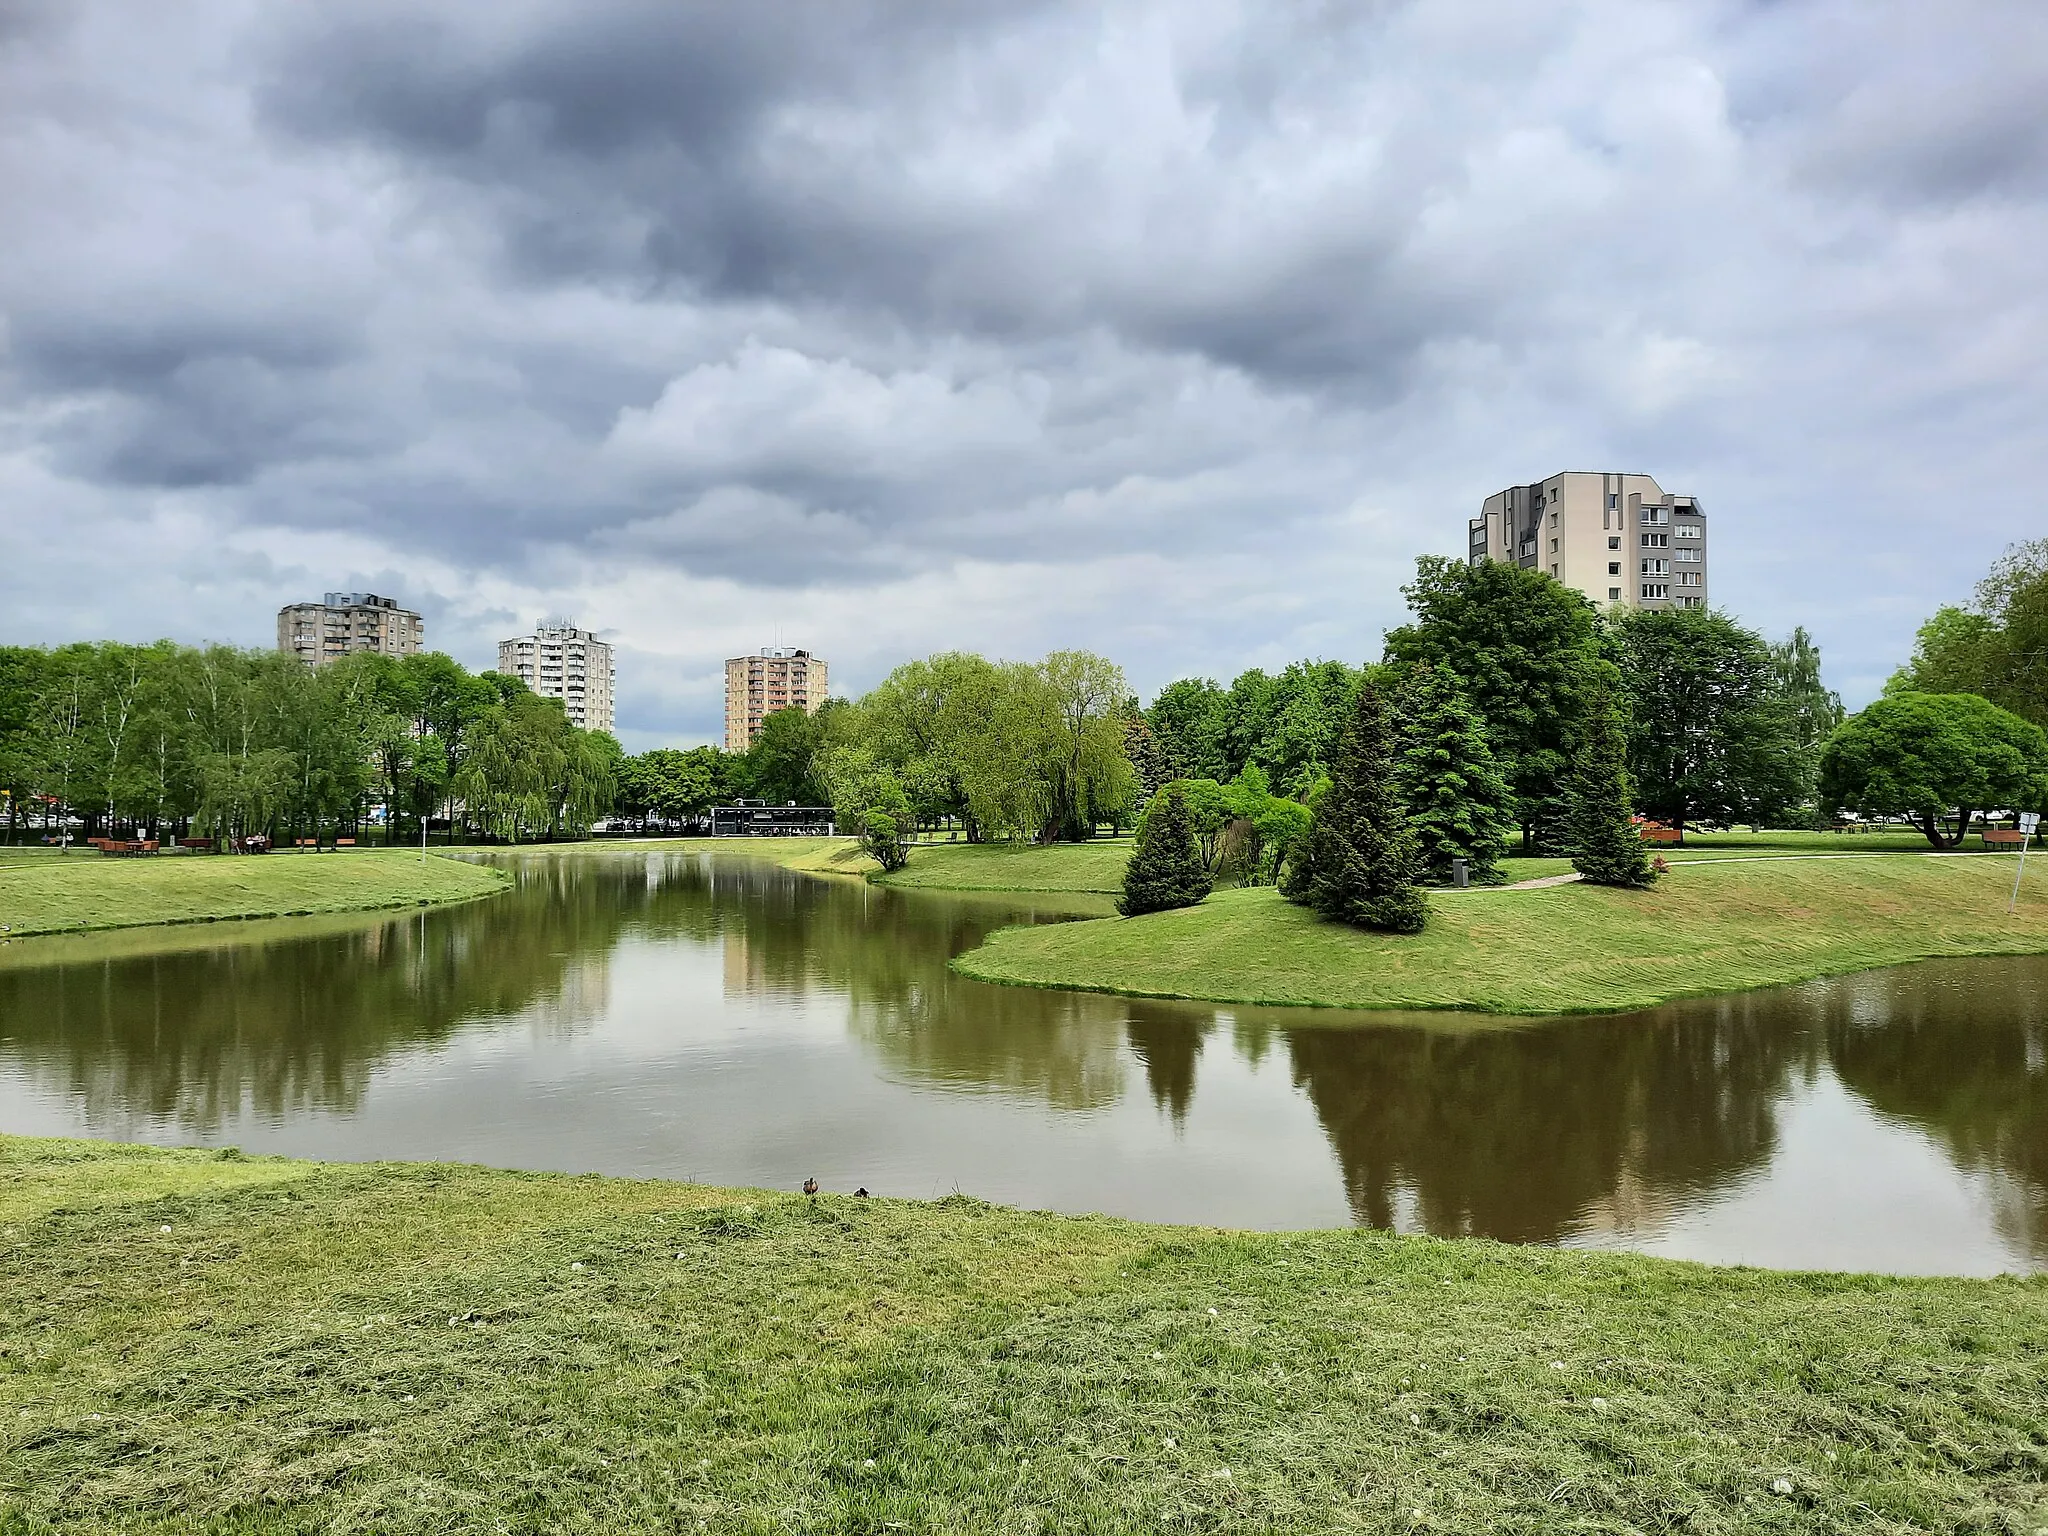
point(115, 848)
point(2002, 837)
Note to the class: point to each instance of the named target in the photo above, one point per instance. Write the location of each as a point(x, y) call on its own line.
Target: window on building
point(1614, 594)
point(1613, 499)
point(1656, 540)
point(1553, 519)
point(1614, 543)
point(1656, 590)
point(1614, 567)
point(1553, 546)
point(1655, 567)
point(1690, 556)
point(1553, 570)
point(1686, 530)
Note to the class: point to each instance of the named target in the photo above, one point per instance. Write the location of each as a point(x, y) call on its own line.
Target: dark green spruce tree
point(1357, 863)
point(1166, 868)
point(1459, 803)
point(1607, 849)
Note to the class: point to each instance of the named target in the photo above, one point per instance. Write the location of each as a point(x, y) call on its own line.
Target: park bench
point(117, 848)
point(1657, 832)
point(2002, 837)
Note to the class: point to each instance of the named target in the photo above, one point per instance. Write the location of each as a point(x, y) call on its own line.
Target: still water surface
point(716, 1018)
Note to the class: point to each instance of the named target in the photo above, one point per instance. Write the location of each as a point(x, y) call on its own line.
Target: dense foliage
point(1286, 726)
point(1605, 845)
point(1458, 802)
point(1165, 870)
point(1357, 863)
point(225, 742)
point(1002, 749)
point(1711, 732)
point(1997, 647)
point(1523, 648)
point(1936, 759)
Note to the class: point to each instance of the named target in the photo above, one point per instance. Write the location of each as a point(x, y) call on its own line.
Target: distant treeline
point(233, 743)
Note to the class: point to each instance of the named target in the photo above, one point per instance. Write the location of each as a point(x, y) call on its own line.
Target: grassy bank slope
point(1573, 948)
point(1093, 866)
point(82, 891)
point(194, 1344)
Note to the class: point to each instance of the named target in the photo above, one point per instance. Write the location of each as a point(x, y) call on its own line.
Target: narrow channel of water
point(716, 1018)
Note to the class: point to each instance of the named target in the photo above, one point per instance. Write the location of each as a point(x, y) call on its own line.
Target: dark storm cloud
point(1176, 329)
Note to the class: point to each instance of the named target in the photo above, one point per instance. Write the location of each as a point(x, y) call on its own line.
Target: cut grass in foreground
point(82, 891)
point(197, 1343)
point(1565, 949)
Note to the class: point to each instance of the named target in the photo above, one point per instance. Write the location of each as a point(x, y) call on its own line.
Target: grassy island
point(197, 1341)
point(1707, 927)
point(80, 892)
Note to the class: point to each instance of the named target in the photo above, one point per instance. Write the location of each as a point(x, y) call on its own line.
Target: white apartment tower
point(345, 623)
point(1618, 538)
point(560, 661)
point(779, 677)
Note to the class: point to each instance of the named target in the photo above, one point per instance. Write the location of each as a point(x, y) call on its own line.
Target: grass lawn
point(1091, 866)
point(1571, 948)
point(81, 890)
point(191, 1342)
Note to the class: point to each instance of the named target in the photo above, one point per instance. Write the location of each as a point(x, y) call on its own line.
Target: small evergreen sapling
point(1357, 863)
point(1606, 847)
point(1166, 868)
point(1458, 801)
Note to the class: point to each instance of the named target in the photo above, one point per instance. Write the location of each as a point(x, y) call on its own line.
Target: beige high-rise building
point(1617, 538)
point(779, 677)
point(347, 622)
point(560, 661)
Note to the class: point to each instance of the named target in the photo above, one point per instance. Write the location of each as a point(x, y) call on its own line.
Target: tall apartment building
point(1617, 538)
point(560, 661)
point(346, 622)
point(756, 686)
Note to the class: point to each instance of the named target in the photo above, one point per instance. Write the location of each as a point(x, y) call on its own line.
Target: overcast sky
point(1173, 331)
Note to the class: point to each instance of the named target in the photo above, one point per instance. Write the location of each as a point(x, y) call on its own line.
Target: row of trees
point(225, 742)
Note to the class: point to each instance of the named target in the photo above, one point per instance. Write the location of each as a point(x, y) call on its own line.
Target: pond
point(698, 1016)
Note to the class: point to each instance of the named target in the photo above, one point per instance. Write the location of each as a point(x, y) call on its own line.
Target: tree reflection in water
point(1963, 1060)
point(1533, 1133)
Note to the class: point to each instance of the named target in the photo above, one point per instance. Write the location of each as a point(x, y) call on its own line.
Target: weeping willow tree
point(529, 773)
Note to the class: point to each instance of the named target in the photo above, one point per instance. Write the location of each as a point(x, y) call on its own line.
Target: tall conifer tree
point(1606, 847)
point(1166, 868)
point(1459, 804)
point(1357, 863)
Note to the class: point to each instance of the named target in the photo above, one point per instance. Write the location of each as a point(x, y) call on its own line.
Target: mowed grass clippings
point(1562, 949)
point(81, 891)
point(428, 1348)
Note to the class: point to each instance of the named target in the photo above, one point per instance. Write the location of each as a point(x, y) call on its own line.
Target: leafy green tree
point(1607, 848)
point(1997, 647)
point(1357, 863)
point(1090, 780)
point(1935, 759)
point(928, 719)
point(1458, 803)
point(1812, 708)
point(1191, 719)
point(1165, 870)
point(779, 764)
point(1711, 737)
point(21, 688)
point(1524, 649)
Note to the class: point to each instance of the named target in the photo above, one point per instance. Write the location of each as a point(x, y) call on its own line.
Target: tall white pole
point(2024, 840)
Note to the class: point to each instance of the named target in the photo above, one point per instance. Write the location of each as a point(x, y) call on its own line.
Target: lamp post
point(2029, 820)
